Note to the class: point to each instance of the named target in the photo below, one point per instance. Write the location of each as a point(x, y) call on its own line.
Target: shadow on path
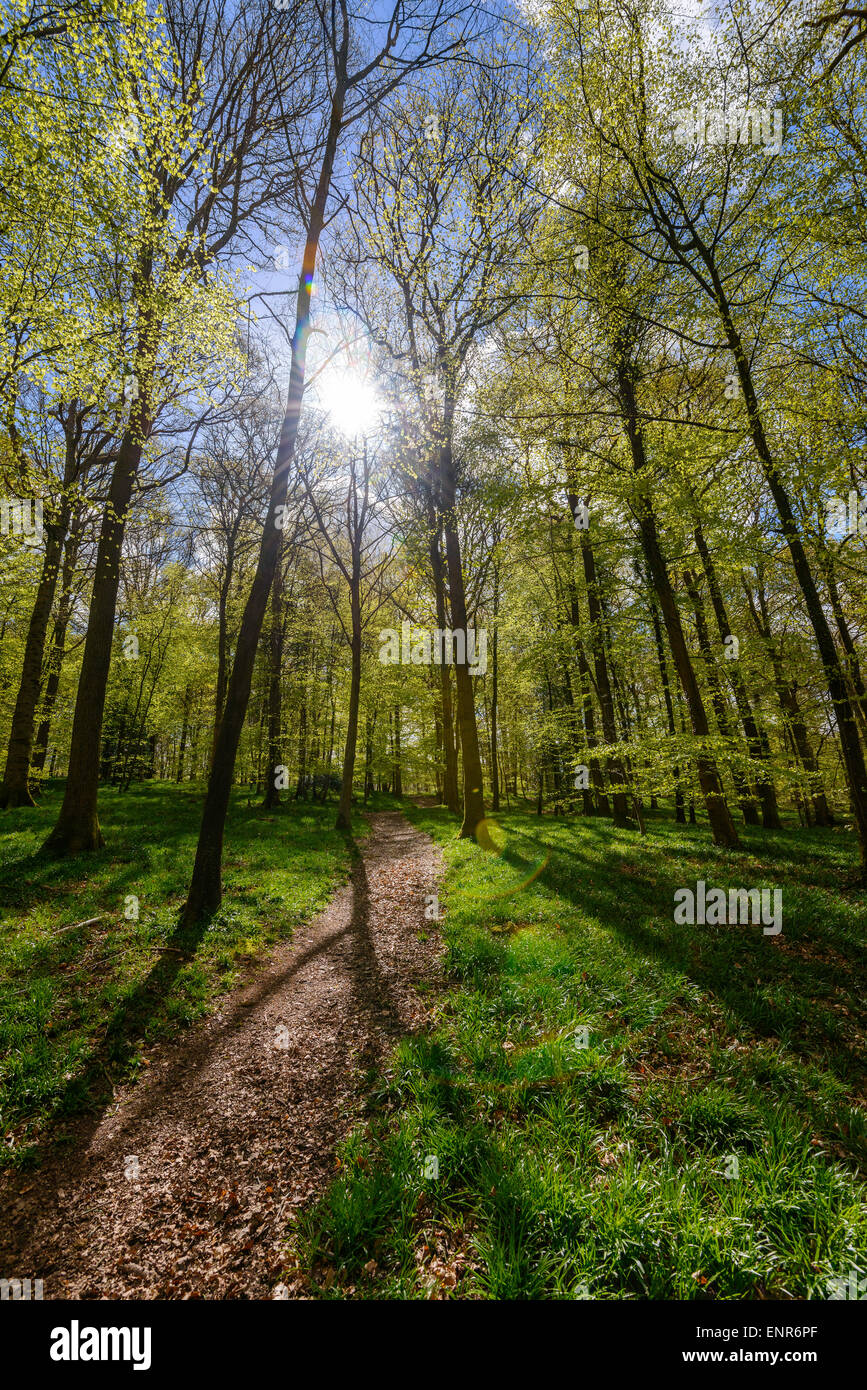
point(183, 1184)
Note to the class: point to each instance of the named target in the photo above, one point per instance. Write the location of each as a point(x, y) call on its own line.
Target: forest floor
point(553, 1090)
point(611, 1105)
point(185, 1184)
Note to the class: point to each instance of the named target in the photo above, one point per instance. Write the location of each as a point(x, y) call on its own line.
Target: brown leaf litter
point(187, 1185)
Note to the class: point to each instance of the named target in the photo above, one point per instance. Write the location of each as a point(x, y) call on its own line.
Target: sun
point(351, 402)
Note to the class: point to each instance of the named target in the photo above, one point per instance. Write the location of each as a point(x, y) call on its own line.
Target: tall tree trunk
point(300, 788)
point(474, 805)
point(788, 702)
point(370, 726)
point(756, 738)
point(344, 812)
point(188, 695)
point(77, 825)
point(749, 809)
point(847, 728)
point(451, 794)
point(721, 823)
point(601, 805)
point(854, 665)
point(679, 816)
point(439, 750)
point(595, 802)
point(206, 889)
point(194, 750)
point(15, 787)
point(719, 816)
point(58, 640)
point(619, 796)
point(275, 706)
point(398, 770)
point(495, 772)
point(222, 640)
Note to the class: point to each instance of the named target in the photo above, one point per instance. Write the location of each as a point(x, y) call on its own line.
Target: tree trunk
point(495, 773)
point(619, 796)
point(756, 739)
point(275, 707)
point(847, 728)
point(719, 816)
point(185, 723)
point(344, 811)
point(222, 641)
point(788, 702)
point(474, 805)
point(300, 788)
point(595, 802)
point(749, 809)
point(679, 816)
point(370, 727)
point(77, 826)
point(206, 889)
point(398, 771)
point(854, 671)
point(15, 787)
point(450, 776)
point(58, 642)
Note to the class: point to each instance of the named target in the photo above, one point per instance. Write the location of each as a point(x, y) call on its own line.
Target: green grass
point(606, 1170)
point(80, 1008)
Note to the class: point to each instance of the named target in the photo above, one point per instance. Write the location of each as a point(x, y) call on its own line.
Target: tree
point(206, 166)
point(415, 37)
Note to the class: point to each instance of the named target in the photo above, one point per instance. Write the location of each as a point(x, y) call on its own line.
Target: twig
point(90, 922)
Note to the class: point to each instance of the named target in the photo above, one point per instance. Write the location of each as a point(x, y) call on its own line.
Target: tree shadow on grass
point(738, 965)
point(30, 876)
point(372, 1001)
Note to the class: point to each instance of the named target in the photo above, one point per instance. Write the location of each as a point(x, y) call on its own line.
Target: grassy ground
point(80, 1005)
point(704, 1143)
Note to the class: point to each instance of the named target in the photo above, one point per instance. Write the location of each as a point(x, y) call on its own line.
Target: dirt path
point(188, 1184)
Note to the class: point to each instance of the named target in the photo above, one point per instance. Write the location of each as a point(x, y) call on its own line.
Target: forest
point(433, 586)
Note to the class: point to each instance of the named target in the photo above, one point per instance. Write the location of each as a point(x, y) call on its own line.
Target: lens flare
point(488, 833)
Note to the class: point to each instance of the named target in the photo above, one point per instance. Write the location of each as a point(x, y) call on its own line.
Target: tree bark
point(223, 638)
point(495, 773)
point(788, 702)
point(679, 815)
point(398, 770)
point(58, 641)
point(619, 796)
point(15, 787)
point(275, 707)
point(756, 739)
point(344, 811)
point(474, 805)
point(854, 665)
point(206, 888)
point(749, 808)
point(451, 795)
point(77, 827)
point(185, 724)
point(719, 816)
point(847, 728)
